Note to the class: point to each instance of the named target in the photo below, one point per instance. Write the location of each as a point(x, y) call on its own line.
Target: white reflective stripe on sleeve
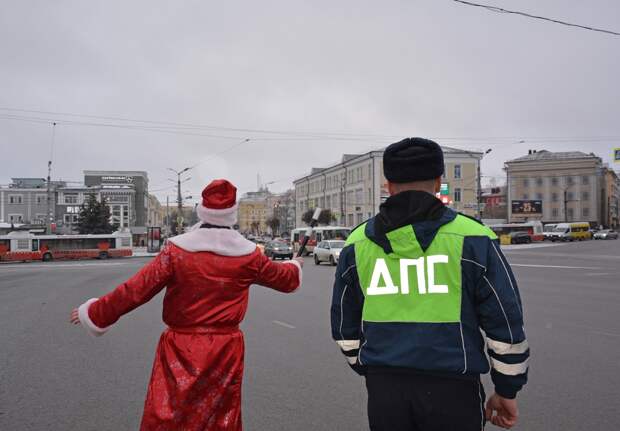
point(352, 360)
point(348, 345)
point(506, 348)
point(509, 369)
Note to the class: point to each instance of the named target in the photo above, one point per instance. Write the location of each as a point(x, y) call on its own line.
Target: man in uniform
point(414, 287)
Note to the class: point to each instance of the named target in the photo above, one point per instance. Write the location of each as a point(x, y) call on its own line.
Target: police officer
point(414, 287)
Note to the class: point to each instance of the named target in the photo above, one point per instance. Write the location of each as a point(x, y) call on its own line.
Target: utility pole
point(565, 206)
point(479, 193)
point(179, 197)
point(168, 214)
point(50, 216)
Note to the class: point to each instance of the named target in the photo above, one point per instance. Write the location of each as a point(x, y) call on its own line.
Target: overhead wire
point(528, 15)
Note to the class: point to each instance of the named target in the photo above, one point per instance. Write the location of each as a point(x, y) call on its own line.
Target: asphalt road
point(54, 376)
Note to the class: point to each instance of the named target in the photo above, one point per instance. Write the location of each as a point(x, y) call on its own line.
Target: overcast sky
point(327, 74)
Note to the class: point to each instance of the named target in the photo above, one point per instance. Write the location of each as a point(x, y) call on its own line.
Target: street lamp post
point(479, 194)
point(179, 197)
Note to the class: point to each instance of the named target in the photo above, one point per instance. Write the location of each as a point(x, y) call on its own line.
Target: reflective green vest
point(411, 284)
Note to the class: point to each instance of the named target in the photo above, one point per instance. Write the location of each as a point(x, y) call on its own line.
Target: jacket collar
point(420, 209)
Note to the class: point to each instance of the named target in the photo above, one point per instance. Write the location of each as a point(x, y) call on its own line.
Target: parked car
point(278, 250)
point(328, 251)
point(520, 238)
point(606, 234)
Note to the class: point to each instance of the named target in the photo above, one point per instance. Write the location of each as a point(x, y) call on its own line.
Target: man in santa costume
point(196, 379)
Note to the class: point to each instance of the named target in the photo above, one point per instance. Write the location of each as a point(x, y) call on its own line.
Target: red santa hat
point(219, 204)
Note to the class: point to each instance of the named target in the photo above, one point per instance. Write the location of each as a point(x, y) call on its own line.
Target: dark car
point(520, 238)
point(278, 249)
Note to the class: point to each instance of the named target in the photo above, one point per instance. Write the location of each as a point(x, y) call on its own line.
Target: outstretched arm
point(98, 314)
point(284, 277)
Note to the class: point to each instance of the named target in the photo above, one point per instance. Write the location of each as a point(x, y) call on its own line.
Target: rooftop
point(552, 156)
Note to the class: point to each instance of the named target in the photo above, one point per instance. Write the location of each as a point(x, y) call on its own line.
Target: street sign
point(617, 155)
point(444, 189)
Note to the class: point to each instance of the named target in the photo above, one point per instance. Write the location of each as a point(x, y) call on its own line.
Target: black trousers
point(420, 402)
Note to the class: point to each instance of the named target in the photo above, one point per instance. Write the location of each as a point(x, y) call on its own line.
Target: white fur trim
point(225, 242)
point(299, 271)
point(223, 217)
point(90, 326)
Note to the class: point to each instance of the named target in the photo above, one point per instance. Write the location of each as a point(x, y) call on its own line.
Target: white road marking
point(527, 265)
point(589, 274)
point(286, 325)
point(611, 334)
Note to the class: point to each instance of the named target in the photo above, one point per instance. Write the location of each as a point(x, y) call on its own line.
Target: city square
point(295, 377)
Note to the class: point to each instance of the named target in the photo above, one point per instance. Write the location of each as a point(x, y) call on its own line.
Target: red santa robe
point(198, 369)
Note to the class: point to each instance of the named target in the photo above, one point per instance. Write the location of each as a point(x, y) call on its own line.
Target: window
point(73, 210)
point(457, 195)
point(457, 171)
point(539, 196)
point(526, 196)
point(585, 212)
point(23, 244)
point(539, 181)
point(554, 212)
point(570, 196)
point(41, 199)
point(118, 198)
point(71, 198)
point(370, 171)
point(570, 212)
point(70, 218)
point(360, 218)
point(350, 197)
point(585, 196)
point(585, 180)
point(16, 218)
point(350, 217)
point(16, 199)
point(570, 181)
point(554, 197)
point(526, 182)
point(328, 202)
point(554, 181)
point(359, 196)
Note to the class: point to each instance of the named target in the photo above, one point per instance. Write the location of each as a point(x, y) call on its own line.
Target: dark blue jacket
point(490, 302)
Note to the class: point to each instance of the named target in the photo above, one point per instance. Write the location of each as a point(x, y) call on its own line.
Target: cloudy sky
point(304, 81)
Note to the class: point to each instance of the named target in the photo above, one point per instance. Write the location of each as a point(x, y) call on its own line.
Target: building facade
point(126, 193)
point(25, 201)
point(611, 214)
point(253, 211)
point(494, 204)
point(354, 188)
point(569, 186)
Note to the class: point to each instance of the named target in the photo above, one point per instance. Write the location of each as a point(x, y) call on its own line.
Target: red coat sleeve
point(284, 276)
point(98, 314)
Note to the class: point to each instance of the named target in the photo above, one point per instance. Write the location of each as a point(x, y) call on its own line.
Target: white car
point(328, 251)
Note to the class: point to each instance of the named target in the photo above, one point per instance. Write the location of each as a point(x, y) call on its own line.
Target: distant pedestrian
point(196, 378)
point(415, 285)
